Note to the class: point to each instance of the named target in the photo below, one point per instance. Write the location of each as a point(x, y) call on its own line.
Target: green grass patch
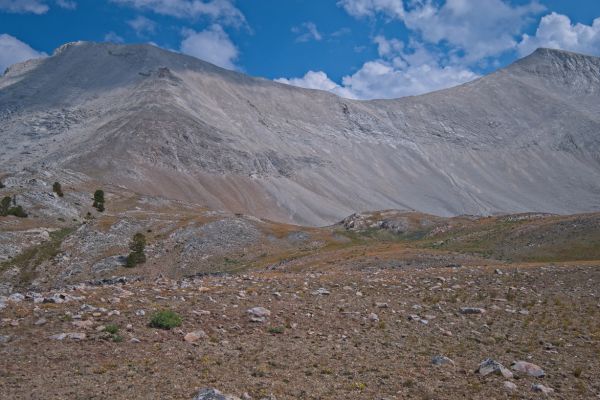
point(165, 319)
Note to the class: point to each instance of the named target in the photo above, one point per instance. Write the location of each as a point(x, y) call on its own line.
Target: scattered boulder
point(490, 366)
point(16, 298)
point(259, 314)
point(86, 324)
point(528, 368)
point(442, 360)
point(542, 389)
point(471, 310)
point(69, 335)
point(213, 394)
point(195, 336)
point(509, 386)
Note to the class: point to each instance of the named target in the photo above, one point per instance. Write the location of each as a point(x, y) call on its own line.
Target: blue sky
point(354, 48)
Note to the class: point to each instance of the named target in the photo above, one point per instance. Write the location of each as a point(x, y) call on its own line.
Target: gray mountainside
point(525, 138)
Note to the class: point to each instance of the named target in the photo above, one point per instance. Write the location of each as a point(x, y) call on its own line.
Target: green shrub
point(276, 330)
point(17, 212)
point(165, 319)
point(111, 328)
point(56, 188)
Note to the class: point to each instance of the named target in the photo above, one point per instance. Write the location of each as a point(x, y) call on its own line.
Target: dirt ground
point(356, 342)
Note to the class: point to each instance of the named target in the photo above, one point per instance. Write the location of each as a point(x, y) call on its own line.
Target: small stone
point(542, 389)
point(41, 321)
point(16, 298)
point(134, 340)
point(528, 368)
point(88, 323)
point(498, 272)
point(381, 305)
point(445, 332)
point(490, 366)
point(471, 310)
point(321, 292)
point(129, 327)
point(441, 360)
point(140, 313)
point(373, 317)
point(195, 336)
point(5, 338)
point(70, 335)
point(213, 394)
point(509, 386)
point(259, 314)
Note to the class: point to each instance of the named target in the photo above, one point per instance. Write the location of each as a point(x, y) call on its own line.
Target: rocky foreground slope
point(374, 331)
point(163, 124)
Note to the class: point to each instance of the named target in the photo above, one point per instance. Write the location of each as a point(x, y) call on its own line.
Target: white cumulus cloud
point(67, 4)
point(24, 6)
point(477, 28)
point(212, 45)
point(317, 80)
point(13, 51)
point(307, 31)
point(399, 71)
point(370, 8)
point(558, 32)
point(112, 37)
point(142, 26)
point(222, 11)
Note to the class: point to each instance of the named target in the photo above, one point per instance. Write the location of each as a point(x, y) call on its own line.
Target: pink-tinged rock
point(542, 389)
point(195, 336)
point(528, 368)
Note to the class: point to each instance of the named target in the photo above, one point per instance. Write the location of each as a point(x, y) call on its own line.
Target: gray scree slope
point(525, 138)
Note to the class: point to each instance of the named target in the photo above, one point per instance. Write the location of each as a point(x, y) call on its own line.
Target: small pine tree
point(56, 188)
point(2, 186)
point(99, 200)
point(137, 247)
point(5, 206)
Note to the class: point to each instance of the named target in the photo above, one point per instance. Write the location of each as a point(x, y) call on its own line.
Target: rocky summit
point(173, 230)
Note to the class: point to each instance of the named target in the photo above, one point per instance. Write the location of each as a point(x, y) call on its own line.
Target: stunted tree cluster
point(99, 200)
point(9, 206)
point(137, 247)
point(56, 188)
